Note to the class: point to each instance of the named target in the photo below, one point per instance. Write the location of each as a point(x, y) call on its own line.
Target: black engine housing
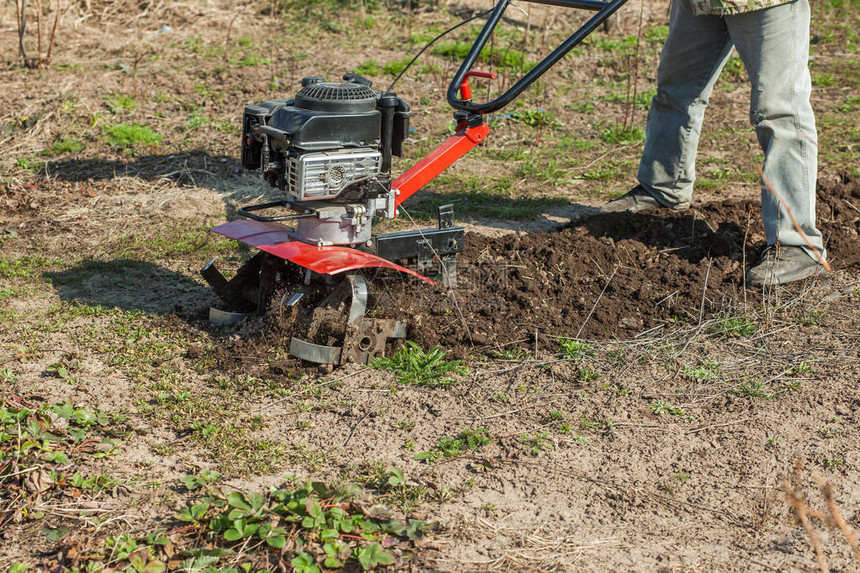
point(323, 116)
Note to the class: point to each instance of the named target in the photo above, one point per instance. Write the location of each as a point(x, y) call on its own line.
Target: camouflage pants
point(773, 44)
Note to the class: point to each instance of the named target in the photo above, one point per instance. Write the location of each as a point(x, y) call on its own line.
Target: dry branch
point(847, 530)
point(779, 198)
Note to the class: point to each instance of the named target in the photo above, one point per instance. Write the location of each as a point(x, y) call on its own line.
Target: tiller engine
point(329, 151)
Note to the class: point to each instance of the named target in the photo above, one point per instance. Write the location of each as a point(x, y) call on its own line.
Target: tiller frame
point(366, 338)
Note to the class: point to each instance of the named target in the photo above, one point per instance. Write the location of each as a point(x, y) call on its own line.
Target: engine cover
point(324, 175)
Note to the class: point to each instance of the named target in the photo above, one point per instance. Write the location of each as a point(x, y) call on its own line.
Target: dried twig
point(803, 235)
point(794, 495)
point(847, 530)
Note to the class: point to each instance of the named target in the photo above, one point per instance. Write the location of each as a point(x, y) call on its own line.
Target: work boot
point(639, 199)
point(780, 265)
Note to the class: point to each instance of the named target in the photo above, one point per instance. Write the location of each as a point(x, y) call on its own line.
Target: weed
point(65, 145)
point(555, 416)
point(661, 407)
point(125, 135)
point(452, 447)
point(829, 432)
point(412, 365)
point(586, 374)
point(368, 68)
point(802, 367)
point(620, 135)
point(514, 353)
point(533, 118)
point(203, 479)
point(536, 443)
point(728, 325)
point(573, 349)
point(119, 103)
point(707, 370)
point(754, 388)
point(592, 424)
point(30, 164)
point(250, 61)
point(825, 80)
point(814, 318)
point(657, 34)
point(581, 107)
point(396, 67)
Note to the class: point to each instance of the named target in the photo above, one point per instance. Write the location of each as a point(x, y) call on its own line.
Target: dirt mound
point(610, 276)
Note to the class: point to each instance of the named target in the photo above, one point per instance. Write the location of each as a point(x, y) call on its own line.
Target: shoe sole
point(658, 206)
point(773, 280)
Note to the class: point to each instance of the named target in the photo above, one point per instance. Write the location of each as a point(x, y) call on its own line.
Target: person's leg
point(774, 46)
point(693, 56)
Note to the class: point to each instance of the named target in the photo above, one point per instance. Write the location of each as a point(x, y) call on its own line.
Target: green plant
point(119, 103)
point(728, 325)
point(65, 145)
point(754, 388)
point(368, 68)
point(573, 349)
point(205, 478)
point(661, 407)
point(323, 517)
point(537, 443)
point(125, 135)
point(591, 424)
point(533, 118)
point(812, 319)
point(412, 365)
point(620, 135)
point(452, 447)
point(825, 80)
point(706, 370)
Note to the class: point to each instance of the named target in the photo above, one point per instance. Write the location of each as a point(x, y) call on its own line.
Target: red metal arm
point(439, 160)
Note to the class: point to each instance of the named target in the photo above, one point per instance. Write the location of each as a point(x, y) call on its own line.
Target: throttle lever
point(466, 89)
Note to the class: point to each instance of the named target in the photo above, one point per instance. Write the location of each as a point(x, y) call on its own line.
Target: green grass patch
point(130, 134)
point(65, 145)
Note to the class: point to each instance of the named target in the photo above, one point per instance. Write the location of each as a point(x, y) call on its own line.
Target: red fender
point(329, 260)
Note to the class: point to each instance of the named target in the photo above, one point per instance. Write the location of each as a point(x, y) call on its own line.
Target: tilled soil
point(606, 277)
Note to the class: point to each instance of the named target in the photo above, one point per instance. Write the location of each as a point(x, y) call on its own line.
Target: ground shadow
point(131, 285)
point(183, 168)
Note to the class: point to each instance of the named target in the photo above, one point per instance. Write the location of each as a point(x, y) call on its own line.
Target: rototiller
point(329, 150)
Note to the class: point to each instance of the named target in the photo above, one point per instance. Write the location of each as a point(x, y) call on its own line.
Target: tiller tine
point(365, 337)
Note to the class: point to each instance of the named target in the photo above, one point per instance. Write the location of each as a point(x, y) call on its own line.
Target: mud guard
point(329, 260)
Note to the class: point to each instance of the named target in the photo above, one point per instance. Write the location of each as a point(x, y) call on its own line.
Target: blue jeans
point(774, 46)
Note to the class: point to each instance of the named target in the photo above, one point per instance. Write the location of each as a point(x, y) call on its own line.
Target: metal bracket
point(424, 256)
